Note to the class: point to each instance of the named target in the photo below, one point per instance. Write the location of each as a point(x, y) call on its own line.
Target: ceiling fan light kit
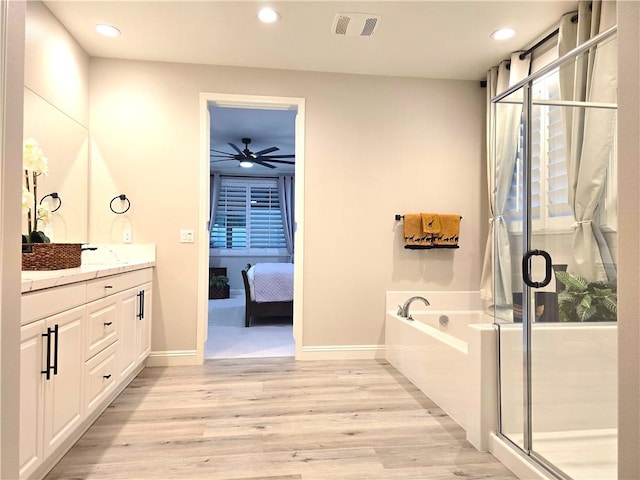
point(247, 158)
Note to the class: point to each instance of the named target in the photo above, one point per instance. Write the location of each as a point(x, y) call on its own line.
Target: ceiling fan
point(247, 158)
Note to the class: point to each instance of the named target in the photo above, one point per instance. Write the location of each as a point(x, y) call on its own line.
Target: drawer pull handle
point(47, 370)
point(108, 286)
point(106, 377)
point(106, 324)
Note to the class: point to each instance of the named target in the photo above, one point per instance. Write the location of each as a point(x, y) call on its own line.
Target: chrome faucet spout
point(404, 310)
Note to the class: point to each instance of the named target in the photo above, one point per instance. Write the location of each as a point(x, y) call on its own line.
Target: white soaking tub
point(449, 352)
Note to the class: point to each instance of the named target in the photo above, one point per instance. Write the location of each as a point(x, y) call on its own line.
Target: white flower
point(33, 158)
point(44, 213)
point(27, 199)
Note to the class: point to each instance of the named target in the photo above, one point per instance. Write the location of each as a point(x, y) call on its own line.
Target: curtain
point(286, 191)
point(216, 181)
point(589, 133)
point(503, 123)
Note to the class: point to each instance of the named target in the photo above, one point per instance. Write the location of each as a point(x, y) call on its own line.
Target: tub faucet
point(403, 310)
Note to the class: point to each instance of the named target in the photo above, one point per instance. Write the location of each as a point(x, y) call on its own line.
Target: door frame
point(247, 101)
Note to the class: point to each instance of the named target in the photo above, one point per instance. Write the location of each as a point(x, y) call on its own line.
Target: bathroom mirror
point(65, 143)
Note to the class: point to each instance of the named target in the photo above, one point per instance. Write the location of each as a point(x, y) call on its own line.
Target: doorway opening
point(270, 136)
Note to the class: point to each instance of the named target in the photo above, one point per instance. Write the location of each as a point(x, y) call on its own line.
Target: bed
point(268, 289)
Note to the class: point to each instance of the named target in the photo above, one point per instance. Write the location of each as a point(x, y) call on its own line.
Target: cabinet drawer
point(135, 278)
point(102, 328)
point(103, 287)
point(100, 378)
point(44, 303)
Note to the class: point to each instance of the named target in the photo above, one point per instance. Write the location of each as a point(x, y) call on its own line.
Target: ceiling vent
point(355, 24)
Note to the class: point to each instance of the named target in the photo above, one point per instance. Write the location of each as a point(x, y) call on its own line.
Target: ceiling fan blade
point(236, 149)
point(219, 151)
point(266, 150)
point(223, 160)
point(276, 156)
point(230, 157)
point(280, 161)
point(260, 162)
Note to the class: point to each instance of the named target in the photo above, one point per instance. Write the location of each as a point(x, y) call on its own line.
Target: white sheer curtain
point(503, 123)
point(286, 191)
point(216, 181)
point(589, 133)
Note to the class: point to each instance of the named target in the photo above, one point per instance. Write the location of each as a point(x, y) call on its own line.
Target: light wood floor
point(275, 419)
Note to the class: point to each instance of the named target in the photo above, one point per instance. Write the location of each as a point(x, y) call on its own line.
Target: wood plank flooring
point(275, 419)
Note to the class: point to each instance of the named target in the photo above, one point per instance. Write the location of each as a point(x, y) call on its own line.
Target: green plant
point(218, 281)
point(584, 301)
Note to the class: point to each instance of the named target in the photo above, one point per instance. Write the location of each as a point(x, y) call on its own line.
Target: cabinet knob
point(106, 324)
point(106, 377)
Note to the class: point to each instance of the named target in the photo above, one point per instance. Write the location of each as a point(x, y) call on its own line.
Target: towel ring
point(55, 196)
point(123, 197)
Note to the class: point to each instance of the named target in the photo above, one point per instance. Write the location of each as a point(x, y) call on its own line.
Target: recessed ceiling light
point(268, 15)
point(107, 30)
point(246, 164)
point(503, 33)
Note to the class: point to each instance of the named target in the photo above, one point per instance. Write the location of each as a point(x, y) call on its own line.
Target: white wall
point(628, 240)
point(375, 146)
point(12, 18)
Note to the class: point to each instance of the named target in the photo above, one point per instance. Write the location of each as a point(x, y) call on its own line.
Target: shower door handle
point(526, 268)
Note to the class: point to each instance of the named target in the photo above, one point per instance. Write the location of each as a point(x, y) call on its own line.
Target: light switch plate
point(186, 236)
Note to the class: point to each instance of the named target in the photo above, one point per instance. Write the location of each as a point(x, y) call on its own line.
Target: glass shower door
point(573, 335)
point(508, 291)
point(555, 297)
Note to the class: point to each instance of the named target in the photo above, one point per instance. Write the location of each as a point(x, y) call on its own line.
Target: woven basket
point(52, 256)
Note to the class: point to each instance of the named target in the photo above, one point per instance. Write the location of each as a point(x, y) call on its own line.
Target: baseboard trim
point(342, 352)
point(172, 358)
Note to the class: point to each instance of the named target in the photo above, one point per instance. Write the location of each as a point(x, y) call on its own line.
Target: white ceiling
point(430, 39)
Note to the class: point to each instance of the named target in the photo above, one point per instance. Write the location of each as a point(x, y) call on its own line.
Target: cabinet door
point(63, 392)
point(143, 336)
point(127, 343)
point(31, 397)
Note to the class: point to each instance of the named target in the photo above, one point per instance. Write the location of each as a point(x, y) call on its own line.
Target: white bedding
point(271, 282)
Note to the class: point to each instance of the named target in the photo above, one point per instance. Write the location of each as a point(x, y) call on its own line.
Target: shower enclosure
point(555, 226)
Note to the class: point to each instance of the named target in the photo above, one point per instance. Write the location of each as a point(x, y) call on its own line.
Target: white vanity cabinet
point(81, 344)
point(143, 324)
point(51, 373)
point(135, 344)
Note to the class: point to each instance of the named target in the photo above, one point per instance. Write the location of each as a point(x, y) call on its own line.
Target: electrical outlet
point(186, 236)
point(126, 235)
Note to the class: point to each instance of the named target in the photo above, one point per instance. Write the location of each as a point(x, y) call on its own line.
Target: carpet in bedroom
point(228, 337)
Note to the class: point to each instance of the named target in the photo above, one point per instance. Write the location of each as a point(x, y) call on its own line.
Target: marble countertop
point(105, 260)
point(38, 280)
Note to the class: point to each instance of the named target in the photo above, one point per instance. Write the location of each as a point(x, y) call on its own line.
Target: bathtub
point(449, 352)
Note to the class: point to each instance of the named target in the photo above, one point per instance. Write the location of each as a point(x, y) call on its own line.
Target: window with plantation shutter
point(248, 215)
point(549, 181)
